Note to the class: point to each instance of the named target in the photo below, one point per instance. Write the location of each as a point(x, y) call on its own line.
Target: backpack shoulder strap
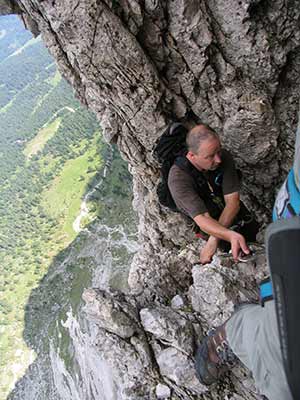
point(283, 254)
point(198, 177)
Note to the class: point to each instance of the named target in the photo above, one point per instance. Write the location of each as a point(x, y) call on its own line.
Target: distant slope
point(51, 155)
point(12, 35)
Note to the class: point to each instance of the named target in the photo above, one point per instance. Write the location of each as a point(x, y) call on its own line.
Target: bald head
point(198, 135)
point(204, 148)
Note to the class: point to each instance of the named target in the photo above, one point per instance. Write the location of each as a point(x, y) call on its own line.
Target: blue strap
point(294, 193)
point(266, 291)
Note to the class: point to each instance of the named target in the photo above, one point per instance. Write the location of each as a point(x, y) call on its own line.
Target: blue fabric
point(287, 203)
point(266, 290)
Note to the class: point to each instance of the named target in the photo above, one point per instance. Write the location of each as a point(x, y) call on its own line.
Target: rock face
point(9, 7)
point(150, 350)
point(138, 65)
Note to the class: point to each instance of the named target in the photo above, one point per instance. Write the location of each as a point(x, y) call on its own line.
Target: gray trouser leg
point(253, 336)
point(296, 165)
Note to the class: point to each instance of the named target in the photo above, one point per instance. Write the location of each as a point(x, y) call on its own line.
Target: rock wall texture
point(140, 64)
point(9, 7)
point(150, 349)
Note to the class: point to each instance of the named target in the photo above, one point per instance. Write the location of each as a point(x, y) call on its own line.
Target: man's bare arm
point(231, 209)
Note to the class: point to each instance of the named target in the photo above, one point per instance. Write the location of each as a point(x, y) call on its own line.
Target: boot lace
point(222, 348)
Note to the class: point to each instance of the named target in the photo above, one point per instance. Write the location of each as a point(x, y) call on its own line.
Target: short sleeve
point(184, 194)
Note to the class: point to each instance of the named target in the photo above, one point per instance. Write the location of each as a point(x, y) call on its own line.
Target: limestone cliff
point(140, 64)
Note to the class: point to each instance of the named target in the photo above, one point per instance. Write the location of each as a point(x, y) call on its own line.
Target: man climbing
point(252, 333)
point(205, 186)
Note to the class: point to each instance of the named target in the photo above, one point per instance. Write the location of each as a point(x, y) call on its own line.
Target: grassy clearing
point(54, 80)
point(48, 163)
point(39, 141)
point(63, 199)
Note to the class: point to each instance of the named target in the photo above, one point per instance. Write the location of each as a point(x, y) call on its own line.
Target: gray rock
point(163, 391)
point(218, 286)
point(109, 314)
point(177, 302)
point(208, 295)
point(179, 368)
point(9, 7)
point(169, 327)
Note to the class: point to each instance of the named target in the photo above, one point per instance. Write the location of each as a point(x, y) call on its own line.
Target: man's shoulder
point(176, 171)
point(178, 174)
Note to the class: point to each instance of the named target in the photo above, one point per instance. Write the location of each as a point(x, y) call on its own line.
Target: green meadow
point(63, 199)
point(38, 142)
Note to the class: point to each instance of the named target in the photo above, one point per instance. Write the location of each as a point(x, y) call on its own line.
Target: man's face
point(208, 157)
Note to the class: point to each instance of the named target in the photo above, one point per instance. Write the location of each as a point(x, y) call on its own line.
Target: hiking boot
point(214, 357)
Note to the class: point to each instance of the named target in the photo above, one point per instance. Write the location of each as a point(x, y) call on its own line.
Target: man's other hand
point(208, 250)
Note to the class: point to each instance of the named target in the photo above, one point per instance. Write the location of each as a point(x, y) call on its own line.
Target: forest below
point(51, 155)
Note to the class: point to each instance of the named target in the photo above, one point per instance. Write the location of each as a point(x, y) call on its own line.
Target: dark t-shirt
point(182, 185)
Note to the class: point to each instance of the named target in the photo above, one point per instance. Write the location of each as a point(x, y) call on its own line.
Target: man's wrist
point(229, 235)
point(213, 240)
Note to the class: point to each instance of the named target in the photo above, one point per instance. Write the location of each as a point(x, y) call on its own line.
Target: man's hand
point(208, 250)
point(238, 243)
point(216, 230)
